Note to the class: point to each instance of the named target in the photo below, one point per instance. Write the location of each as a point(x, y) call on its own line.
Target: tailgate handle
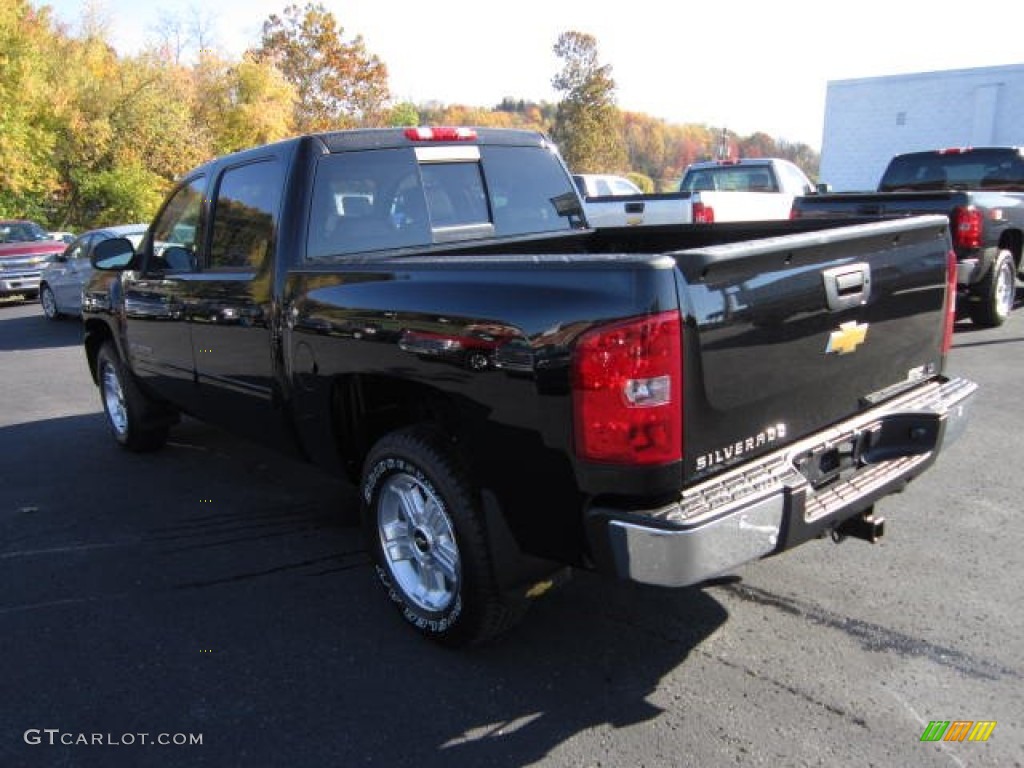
point(870, 209)
point(634, 207)
point(847, 286)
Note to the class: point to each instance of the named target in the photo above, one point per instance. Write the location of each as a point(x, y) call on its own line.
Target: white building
point(869, 120)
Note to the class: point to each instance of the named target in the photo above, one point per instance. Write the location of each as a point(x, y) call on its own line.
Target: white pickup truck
point(751, 189)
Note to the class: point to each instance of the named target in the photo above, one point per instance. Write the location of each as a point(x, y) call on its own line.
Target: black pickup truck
point(980, 189)
point(517, 394)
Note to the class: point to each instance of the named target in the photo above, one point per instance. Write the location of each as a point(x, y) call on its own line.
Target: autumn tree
point(588, 126)
point(338, 84)
point(242, 104)
point(758, 145)
point(27, 123)
point(127, 129)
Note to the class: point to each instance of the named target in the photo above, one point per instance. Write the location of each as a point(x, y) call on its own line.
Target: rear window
point(729, 179)
point(529, 191)
point(971, 169)
point(378, 200)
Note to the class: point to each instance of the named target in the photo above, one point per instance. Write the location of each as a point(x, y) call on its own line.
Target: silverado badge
point(849, 336)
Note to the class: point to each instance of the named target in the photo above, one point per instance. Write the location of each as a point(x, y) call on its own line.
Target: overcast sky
point(747, 66)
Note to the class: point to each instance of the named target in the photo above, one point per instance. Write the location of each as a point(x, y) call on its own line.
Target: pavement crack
point(790, 689)
point(271, 571)
point(875, 637)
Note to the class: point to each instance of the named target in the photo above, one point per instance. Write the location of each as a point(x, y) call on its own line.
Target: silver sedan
point(60, 287)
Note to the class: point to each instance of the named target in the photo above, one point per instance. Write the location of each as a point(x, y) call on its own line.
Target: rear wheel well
point(1013, 241)
point(365, 407)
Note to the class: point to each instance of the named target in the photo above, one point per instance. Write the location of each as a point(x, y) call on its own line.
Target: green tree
point(338, 84)
point(588, 125)
point(241, 104)
point(128, 127)
point(122, 194)
point(27, 120)
point(404, 114)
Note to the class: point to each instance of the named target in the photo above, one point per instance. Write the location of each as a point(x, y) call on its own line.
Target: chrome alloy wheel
point(418, 542)
point(113, 399)
point(49, 302)
point(1005, 288)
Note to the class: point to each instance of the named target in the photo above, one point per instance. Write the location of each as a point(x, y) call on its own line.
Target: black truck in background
point(980, 189)
point(426, 311)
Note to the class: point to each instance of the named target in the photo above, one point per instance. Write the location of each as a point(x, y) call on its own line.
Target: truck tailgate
point(789, 335)
point(877, 204)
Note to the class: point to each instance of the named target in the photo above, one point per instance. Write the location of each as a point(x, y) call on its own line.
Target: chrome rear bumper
point(767, 505)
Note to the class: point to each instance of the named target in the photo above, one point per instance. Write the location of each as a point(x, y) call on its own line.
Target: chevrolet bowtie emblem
point(849, 336)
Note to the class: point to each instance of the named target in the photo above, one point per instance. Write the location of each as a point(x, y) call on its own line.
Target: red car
point(25, 248)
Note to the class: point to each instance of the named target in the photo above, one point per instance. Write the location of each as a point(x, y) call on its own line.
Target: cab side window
point(245, 216)
point(79, 249)
point(175, 235)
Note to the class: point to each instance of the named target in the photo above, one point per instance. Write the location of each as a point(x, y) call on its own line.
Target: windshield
point(21, 232)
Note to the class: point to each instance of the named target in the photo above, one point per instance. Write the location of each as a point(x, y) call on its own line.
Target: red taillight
point(443, 133)
point(628, 391)
point(703, 214)
point(947, 332)
point(968, 227)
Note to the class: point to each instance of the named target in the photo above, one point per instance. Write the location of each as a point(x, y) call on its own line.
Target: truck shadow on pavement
point(20, 333)
point(214, 589)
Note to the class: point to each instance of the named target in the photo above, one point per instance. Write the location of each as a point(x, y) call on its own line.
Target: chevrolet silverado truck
point(517, 394)
point(980, 190)
point(25, 248)
point(749, 189)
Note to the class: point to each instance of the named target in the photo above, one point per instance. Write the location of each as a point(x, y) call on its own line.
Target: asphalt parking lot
point(220, 591)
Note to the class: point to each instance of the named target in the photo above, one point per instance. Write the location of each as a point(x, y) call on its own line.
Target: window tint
point(700, 181)
point(245, 216)
point(366, 201)
point(980, 168)
point(529, 191)
point(176, 232)
point(384, 199)
point(455, 194)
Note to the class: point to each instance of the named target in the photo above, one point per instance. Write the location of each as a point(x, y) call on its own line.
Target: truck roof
point(384, 138)
point(372, 138)
point(956, 168)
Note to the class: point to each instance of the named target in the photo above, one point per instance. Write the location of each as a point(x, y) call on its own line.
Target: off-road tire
point(426, 535)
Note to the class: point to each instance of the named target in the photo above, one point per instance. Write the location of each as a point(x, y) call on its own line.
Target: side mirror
point(823, 189)
point(60, 258)
point(114, 255)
